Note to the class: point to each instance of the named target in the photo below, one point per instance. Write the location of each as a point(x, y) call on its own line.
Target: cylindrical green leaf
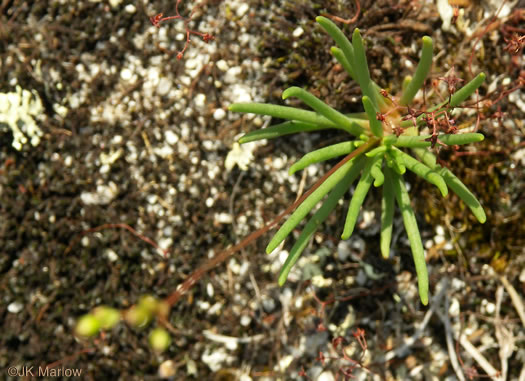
point(308, 204)
point(362, 74)
point(464, 193)
point(281, 129)
point(459, 139)
point(377, 173)
point(426, 157)
point(376, 151)
point(317, 219)
point(339, 37)
point(405, 83)
point(389, 140)
point(282, 112)
point(375, 125)
point(340, 57)
point(322, 154)
point(295, 114)
point(422, 70)
point(359, 196)
point(387, 215)
point(409, 220)
point(322, 108)
point(467, 90)
point(412, 141)
point(396, 161)
point(425, 172)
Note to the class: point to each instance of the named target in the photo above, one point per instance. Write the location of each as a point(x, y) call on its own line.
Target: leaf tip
point(481, 216)
point(427, 40)
point(270, 248)
point(345, 235)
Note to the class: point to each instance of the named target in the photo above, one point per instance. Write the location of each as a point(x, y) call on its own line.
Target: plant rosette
point(386, 141)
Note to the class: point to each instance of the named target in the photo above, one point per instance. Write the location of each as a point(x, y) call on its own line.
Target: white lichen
point(18, 111)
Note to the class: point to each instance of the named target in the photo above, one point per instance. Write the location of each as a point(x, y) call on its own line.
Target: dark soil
point(142, 129)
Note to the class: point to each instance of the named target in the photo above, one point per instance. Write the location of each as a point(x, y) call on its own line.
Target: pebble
point(241, 93)
point(242, 10)
point(111, 255)
point(326, 376)
point(126, 74)
point(130, 8)
point(15, 307)
point(455, 307)
point(171, 137)
point(223, 218)
point(232, 74)
point(209, 290)
point(245, 320)
point(343, 250)
point(167, 369)
point(298, 32)
point(219, 114)
point(164, 87)
point(222, 65)
point(215, 358)
point(103, 195)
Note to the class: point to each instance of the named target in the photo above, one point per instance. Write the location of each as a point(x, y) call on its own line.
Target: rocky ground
point(113, 153)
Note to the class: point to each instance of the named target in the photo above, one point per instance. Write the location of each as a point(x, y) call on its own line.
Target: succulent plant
point(387, 139)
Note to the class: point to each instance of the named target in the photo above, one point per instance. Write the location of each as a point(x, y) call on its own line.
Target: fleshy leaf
point(464, 193)
point(281, 129)
point(387, 215)
point(422, 70)
point(425, 172)
point(313, 224)
point(322, 154)
point(308, 204)
point(409, 220)
point(323, 109)
point(359, 196)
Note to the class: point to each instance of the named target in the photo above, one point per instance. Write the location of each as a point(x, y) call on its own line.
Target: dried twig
point(503, 335)
point(449, 336)
point(479, 358)
point(515, 297)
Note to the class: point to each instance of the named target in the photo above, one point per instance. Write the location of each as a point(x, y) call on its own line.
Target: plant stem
point(195, 276)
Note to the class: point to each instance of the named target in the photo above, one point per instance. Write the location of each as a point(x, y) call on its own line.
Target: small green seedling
point(377, 154)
